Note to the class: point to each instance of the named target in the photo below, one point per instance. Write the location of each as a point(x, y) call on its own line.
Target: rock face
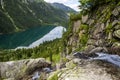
point(91, 70)
point(101, 67)
point(84, 18)
point(21, 70)
point(117, 33)
point(97, 32)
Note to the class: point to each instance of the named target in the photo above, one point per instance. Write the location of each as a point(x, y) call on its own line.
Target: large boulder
point(18, 70)
point(88, 70)
point(98, 49)
point(91, 70)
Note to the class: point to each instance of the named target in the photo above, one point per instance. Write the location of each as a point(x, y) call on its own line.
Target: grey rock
point(99, 42)
point(117, 27)
point(89, 48)
point(98, 49)
point(108, 22)
point(90, 70)
point(117, 33)
point(115, 12)
point(21, 68)
point(114, 22)
point(84, 18)
point(76, 26)
point(91, 42)
point(116, 44)
point(118, 8)
point(90, 22)
point(115, 49)
point(99, 27)
point(80, 55)
point(102, 26)
point(110, 35)
point(69, 57)
point(77, 61)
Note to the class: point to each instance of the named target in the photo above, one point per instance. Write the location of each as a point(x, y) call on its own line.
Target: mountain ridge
point(20, 15)
point(63, 7)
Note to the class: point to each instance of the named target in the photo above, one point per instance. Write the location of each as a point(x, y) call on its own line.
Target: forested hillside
point(17, 15)
point(50, 50)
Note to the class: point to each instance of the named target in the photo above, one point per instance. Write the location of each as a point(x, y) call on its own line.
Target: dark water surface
point(25, 38)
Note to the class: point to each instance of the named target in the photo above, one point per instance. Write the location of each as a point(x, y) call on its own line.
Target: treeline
point(49, 50)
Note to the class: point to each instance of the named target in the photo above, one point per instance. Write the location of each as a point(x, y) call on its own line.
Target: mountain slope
point(16, 15)
point(97, 30)
point(63, 7)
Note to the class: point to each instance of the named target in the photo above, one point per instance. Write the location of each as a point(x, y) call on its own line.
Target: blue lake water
point(24, 38)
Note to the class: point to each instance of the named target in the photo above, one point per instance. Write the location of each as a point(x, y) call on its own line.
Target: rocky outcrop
point(97, 68)
point(21, 70)
point(92, 34)
point(117, 33)
point(97, 31)
point(92, 70)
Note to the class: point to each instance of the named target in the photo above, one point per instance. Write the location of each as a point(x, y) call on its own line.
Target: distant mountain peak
point(63, 7)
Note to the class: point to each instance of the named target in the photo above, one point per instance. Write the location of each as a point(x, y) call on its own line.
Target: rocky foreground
point(77, 66)
point(82, 68)
point(96, 31)
point(22, 69)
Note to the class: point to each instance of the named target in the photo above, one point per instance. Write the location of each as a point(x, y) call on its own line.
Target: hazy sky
point(71, 3)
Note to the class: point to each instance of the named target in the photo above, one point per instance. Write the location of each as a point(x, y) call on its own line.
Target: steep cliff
point(98, 30)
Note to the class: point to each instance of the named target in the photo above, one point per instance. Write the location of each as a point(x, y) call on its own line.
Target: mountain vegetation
point(81, 34)
point(50, 50)
point(96, 29)
point(19, 15)
point(92, 34)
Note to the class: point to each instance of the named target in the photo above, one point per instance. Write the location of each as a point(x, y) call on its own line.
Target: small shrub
point(75, 17)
